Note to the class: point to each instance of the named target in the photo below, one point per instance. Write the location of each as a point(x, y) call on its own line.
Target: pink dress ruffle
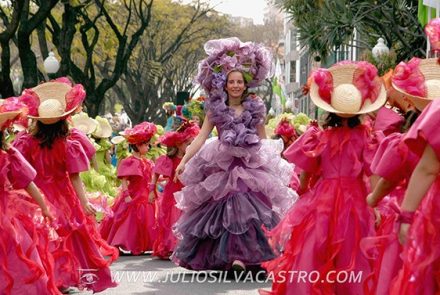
point(394, 162)
point(133, 225)
point(421, 255)
point(82, 257)
point(168, 213)
point(25, 264)
point(85, 142)
point(323, 230)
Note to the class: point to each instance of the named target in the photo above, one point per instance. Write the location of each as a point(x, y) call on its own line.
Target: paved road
point(139, 275)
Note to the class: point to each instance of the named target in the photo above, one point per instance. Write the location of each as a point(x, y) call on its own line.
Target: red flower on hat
point(186, 131)
point(140, 133)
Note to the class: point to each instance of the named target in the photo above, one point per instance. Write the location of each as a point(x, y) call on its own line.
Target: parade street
point(144, 274)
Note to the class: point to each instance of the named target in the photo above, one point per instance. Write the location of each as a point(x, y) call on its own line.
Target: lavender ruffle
point(237, 131)
point(219, 169)
point(219, 232)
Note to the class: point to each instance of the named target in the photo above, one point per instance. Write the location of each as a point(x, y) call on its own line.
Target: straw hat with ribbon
point(53, 101)
point(348, 89)
point(104, 129)
point(418, 81)
point(83, 122)
point(10, 109)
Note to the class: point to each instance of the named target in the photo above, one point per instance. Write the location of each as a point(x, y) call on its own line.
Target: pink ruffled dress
point(25, 266)
point(394, 162)
point(133, 224)
point(323, 230)
point(421, 255)
point(82, 257)
point(168, 213)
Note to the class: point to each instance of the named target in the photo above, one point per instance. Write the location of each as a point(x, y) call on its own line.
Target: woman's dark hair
point(172, 151)
point(2, 140)
point(47, 134)
point(135, 148)
point(245, 93)
point(333, 120)
point(410, 117)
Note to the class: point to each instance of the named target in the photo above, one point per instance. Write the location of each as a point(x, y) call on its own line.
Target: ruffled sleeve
point(390, 159)
point(305, 152)
point(130, 167)
point(425, 130)
point(164, 166)
point(76, 158)
point(87, 145)
point(21, 173)
point(22, 144)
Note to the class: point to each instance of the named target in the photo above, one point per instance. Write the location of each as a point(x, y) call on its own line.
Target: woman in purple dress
point(236, 185)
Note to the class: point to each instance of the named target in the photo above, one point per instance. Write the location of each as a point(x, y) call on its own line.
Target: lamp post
point(380, 49)
point(51, 65)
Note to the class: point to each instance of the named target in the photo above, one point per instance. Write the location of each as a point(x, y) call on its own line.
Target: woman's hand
point(88, 208)
point(371, 200)
point(179, 170)
point(378, 217)
point(151, 197)
point(403, 233)
point(47, 214)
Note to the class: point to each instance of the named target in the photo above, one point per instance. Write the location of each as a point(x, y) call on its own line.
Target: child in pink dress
point(133, 225)
point(393, 163)
point(419, 218)
point(321, 233)
point(168, 213)
point(82, 258)
point(24, 267)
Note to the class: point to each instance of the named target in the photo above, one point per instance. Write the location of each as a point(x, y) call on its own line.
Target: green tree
point(93, 32)
point(167, 60)
point(326, 24)
point(10, 16)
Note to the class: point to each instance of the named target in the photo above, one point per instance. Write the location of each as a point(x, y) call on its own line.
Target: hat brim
point(368, 107)
point(117, 139)
point(419, 102)
point(6, 116)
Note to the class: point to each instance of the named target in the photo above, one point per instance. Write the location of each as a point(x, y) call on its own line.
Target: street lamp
point(380, 49)
point(51, 65)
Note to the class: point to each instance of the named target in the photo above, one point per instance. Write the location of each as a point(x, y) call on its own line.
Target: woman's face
point(235, 85)
point(143, 148)
point(196, 120)
point(182, 147)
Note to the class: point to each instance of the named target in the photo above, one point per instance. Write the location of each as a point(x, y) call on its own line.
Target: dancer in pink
point(133, 225)
point(176, 143)
point(393, 163)
point(82, 258)
point(419, 217)
point(321, 233)
point(24, 267)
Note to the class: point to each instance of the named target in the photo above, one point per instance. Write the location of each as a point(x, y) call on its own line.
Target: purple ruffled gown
point(235, 188)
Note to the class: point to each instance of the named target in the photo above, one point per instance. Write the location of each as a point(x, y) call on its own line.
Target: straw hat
point(83, 122)
point(104, 129)
point(346, 98)
point(117, 139)
point(430, 70)
point(9, 110)
point(53, 104)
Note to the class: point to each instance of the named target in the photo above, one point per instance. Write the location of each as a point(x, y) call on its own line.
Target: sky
point(247, 8)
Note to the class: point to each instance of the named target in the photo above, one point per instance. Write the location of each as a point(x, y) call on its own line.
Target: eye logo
point(88, 277)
